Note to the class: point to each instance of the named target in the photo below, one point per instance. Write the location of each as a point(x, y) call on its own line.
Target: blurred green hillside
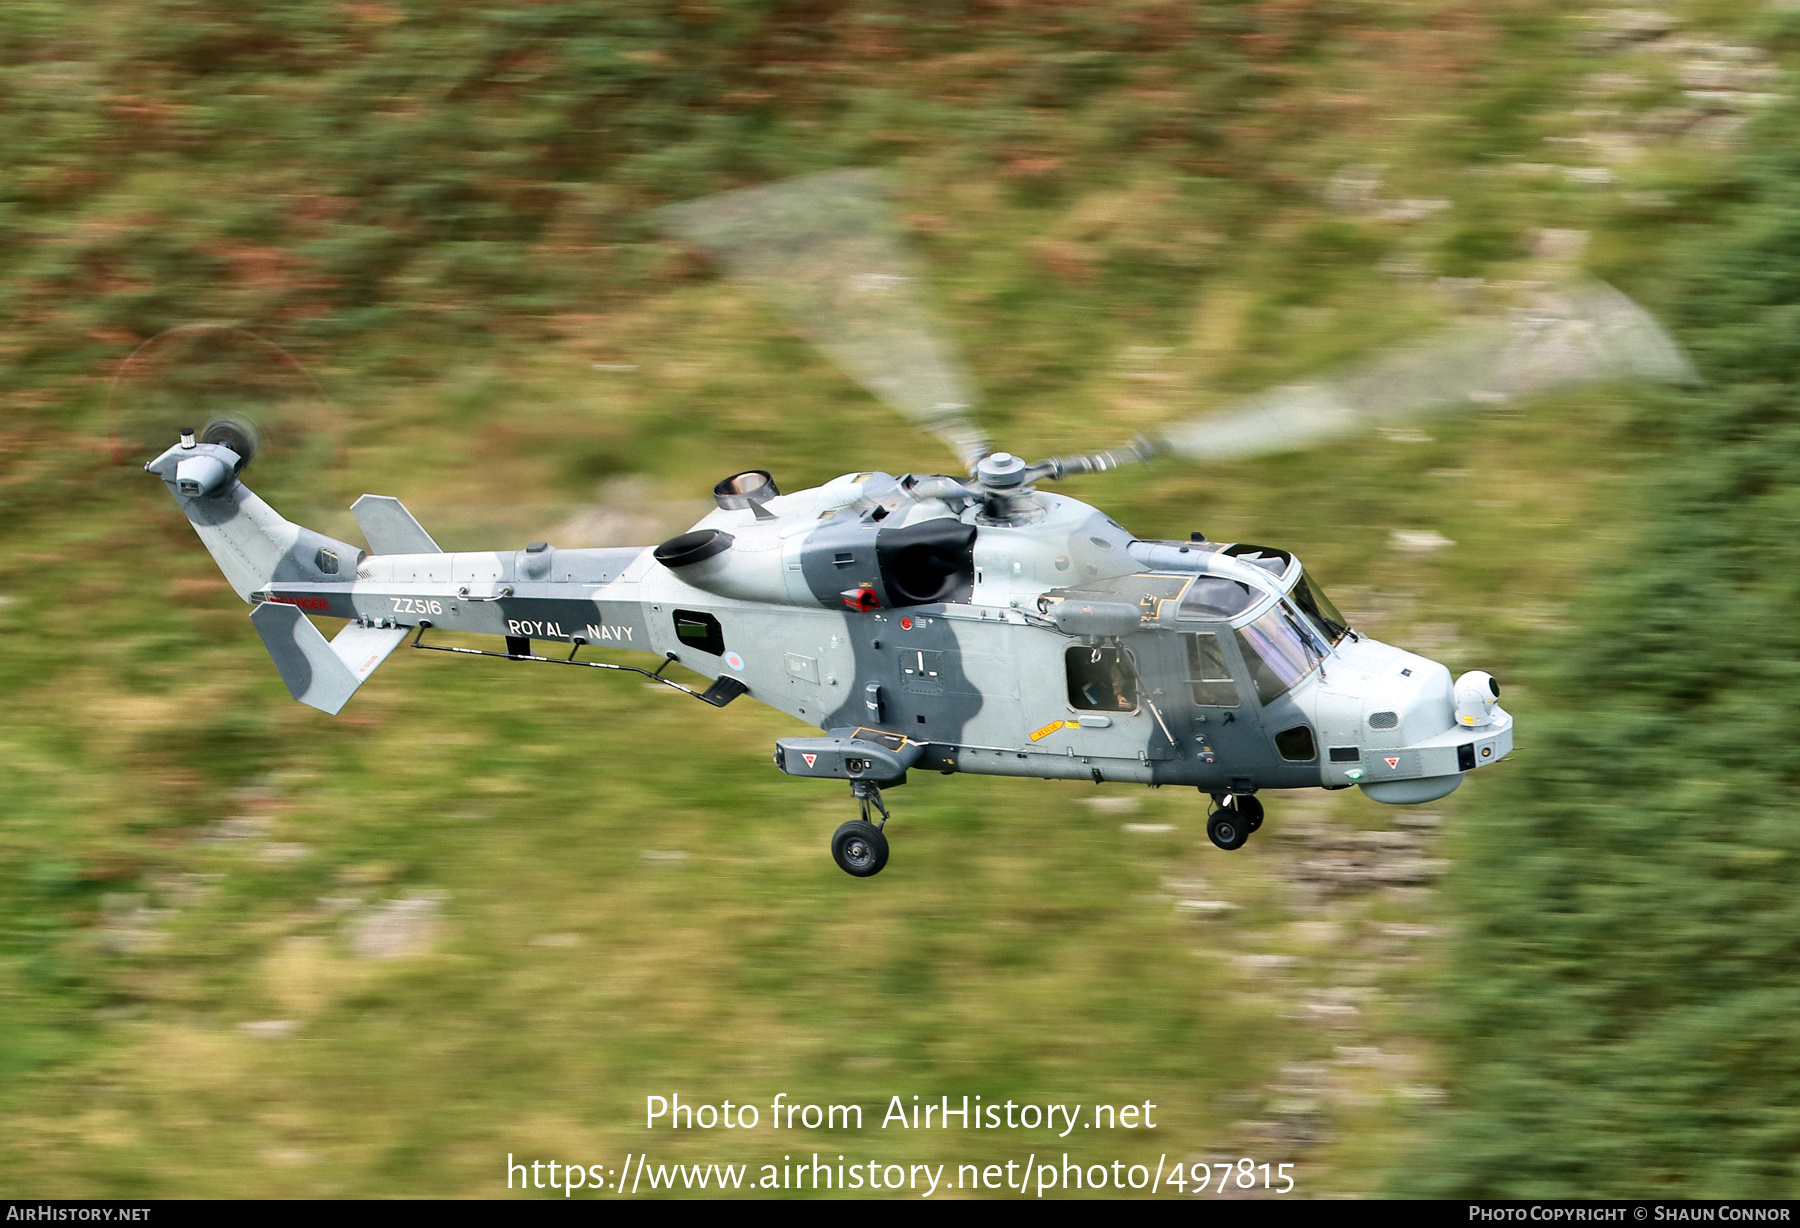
point(1626, 991)
point(249, 950)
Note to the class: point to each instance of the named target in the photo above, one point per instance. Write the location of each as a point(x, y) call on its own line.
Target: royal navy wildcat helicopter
point(954, 623)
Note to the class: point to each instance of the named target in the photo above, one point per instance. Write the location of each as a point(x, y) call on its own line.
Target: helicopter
point(958, 623)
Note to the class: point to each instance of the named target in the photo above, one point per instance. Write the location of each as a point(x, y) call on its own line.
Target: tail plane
point(319, 674)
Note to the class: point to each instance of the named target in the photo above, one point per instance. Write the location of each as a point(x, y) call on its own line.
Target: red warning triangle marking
point(1393, 763)
point(810, 759)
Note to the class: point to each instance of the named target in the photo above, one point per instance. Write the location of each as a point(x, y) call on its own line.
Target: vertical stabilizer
point(389, 528)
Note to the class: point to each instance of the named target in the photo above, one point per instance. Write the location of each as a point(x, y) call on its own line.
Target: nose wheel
point(1234, 817)
point(858, 846)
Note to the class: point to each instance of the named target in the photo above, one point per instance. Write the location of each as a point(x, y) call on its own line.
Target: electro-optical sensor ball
point(1477, 695)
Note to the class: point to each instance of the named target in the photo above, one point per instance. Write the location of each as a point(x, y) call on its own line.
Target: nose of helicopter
point(1411, 700)
point(1411, 746)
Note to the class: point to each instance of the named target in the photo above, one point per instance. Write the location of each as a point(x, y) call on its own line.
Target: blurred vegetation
point(1625, 995)
point(1131, 211)
point(413, 168)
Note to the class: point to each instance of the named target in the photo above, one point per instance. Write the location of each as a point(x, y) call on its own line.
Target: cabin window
point(1208, 674)
point(1101, 680)
point(1296, 744)
point(699, 631)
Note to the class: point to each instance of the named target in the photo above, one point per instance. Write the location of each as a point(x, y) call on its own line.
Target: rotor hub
point(1000, 471)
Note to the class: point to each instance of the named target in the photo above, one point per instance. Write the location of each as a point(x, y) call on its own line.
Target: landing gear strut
point(1234, 817)
point(858, 846)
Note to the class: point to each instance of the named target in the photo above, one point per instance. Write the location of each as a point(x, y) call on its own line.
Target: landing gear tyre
point(1250, 810)
point(859, 848)
point(1227, 829)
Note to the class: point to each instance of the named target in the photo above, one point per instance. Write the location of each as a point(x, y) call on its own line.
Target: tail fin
point(390, 528)
point(251, 542)
point(321, 675)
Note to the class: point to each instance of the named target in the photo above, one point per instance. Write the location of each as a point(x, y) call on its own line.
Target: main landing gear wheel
point(859, 848)
point(1251, 811)
point(1225, 829)
point(1232, 821)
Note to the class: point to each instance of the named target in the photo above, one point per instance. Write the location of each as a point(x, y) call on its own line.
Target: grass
point(1021, 945)
point(604, 892)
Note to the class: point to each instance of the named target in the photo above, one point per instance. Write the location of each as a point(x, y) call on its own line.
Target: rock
point(397, 928)
point(1419, 541)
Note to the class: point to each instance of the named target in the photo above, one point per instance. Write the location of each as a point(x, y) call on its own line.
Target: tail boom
point(253, 544)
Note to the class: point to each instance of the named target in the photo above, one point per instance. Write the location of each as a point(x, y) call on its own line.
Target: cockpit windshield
point(1312, 599)
point(1277, 651)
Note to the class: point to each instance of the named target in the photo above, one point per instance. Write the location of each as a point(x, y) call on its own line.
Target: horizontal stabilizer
point(318, 674)
point(389, 528)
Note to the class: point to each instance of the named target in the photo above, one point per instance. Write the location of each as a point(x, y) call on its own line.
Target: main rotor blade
point(826, 251)
point(1059, 467)
point(1581, 334)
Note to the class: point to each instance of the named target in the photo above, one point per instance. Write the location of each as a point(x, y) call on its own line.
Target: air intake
point(1384, 720)
point(752, 488)
point(691, 548)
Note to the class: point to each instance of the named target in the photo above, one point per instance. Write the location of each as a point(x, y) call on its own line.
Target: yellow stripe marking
point(1049, 729)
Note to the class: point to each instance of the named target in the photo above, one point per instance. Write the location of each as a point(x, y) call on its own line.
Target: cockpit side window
point(1101, 680)
point(1275, 652)
point(1208, 674)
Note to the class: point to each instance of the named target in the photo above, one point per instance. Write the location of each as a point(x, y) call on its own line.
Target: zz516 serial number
point(417, 605)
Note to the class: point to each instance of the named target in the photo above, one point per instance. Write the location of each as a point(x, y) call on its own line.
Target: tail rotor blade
point(233, 386)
